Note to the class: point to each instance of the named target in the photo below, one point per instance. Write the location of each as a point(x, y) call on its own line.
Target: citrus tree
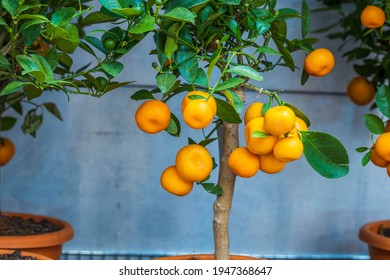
point(366, 33)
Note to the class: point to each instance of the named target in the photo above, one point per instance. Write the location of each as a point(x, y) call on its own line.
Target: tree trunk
point(228, 142)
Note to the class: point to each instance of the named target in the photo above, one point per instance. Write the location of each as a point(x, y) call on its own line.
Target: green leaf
point(127, 12)
point(174, 126)
point(113, 68)
point(32, 122)
point(366, 158)
point(374, 124)
point(325, 154)
point(13, 86)
point(4, 63)
point(96, 43)
point(142, 94)
point(11, 6)
point(7, 123)
point(382, 100)
point(306, 19)
point(52, 108)
point(212, 188)
point(70, 41)
point(213, 61)
point(205, 142)
point(299, 113)
point(97, 17)
point(165, 81)
point(3, 22)
point(172, 4)
point(234, 100)
point(226, 112)
point(285, 54)
point(266, 49)
point(287, 13)
point(246, 71)
point(259, 134)
point(231, 83)
point(114, 4)
point(145, 24)
point(171, 43)
point(361, 149)
point(181, 14)
point(62, 16)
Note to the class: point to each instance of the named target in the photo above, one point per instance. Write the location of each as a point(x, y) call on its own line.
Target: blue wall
point(97, 167)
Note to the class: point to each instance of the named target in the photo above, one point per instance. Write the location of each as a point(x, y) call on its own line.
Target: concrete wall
point(98, 167)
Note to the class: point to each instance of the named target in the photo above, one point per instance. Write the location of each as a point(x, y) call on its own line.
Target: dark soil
point(384, 231)
point(15, 256)
point(16, 226)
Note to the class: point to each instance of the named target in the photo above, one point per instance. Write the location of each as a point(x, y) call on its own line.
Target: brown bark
point(228, 142)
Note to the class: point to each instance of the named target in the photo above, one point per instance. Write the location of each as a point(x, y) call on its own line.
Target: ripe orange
point(319, 62)
point(377, 160)
point(382, 146)
point(279, 120)
point(259, 145)
point(253, 111)
point(271, 165)
point(194, 163)
point(172, 183)
point(373, 17)
point(360, 91)
point(198, 114)
point(7, 150)
point(288, 149)
point(153, 116)
point(244, 163)
point(210, 100)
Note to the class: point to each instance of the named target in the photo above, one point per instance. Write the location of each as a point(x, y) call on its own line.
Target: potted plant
point(209, 55)
point(366, 24)
point(37, 43)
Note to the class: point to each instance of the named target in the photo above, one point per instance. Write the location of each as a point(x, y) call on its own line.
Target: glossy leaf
point(165, 81)
point(230, 83)
point(11, 6)
point(174, 126)
point(145, 24)
point(382, 100)
point(13, 86)
point(181, 14)
point(172, 4)
point(246, 71)
point(299, 113)
point(226, 112)
point(234, 100)
point(142, 94)
point(325, 154)
point(7, 123)
point(113, 68)
point(53, 109)
point(306, 19)
point(212, 188)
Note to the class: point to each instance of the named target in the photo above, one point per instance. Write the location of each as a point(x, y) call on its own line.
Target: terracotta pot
point(378, 245)
point(24, 254)
point(205, 257)
point(47, 244)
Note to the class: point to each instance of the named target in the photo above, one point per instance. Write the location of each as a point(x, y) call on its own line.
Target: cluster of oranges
point(193, 162)
point(272, 140)
point(380, 154)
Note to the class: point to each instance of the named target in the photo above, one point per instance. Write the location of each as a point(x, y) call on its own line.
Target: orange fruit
point(153, 116)
point(373, 17)
point(271, 165)
point(198, 114)
point(377, 160)
point(210, 100)
point(194, 163)
point(288, 149)
point(7, 150)
point(259, 145)
point(360, 91)
point(279, 120)
point(319, 62)
point(244, 163)
point(253, 111)
point(172, 183)
point(382, 146)
point(387, 127)
point(300, 125)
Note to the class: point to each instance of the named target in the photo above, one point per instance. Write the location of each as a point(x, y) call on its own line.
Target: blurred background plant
point(363, 29)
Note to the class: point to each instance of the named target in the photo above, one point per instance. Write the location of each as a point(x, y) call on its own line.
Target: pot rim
point(24, 253)
point(45, 239)
point(368, 233)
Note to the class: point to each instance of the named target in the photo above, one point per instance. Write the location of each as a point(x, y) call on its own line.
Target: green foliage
point(370, 55)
